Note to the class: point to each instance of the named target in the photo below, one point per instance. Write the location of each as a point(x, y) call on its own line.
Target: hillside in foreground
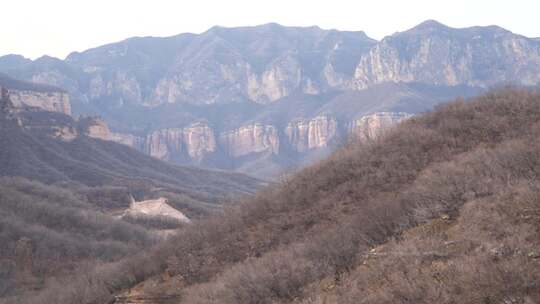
point(442, 209)
point(66, 198)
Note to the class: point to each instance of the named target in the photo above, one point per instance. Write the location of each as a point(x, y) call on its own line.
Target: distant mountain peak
point(13, 61)
point(431, 23)
point(14, 57)
point(271, 25)
point(47, 58)
point(434, 27)
point(428, 26)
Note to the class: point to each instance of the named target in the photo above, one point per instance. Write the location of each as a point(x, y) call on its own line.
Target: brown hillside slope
point(365, 225)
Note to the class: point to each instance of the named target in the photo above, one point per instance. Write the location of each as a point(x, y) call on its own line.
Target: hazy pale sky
point(57, 27)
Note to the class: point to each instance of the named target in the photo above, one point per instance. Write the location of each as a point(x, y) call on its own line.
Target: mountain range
point(265, 99)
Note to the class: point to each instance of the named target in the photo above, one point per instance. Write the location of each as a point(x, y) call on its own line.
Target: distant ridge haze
point(59, 27)
point(261, 25)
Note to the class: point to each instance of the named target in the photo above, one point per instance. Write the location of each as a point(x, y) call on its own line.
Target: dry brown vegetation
point(443, 209)
point(57, 198)
point(64, 229)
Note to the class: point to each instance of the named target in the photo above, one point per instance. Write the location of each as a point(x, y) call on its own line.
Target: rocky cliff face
point(261, 64)
point(267, 147)
point(437, 54)
point(280, 78)
point(48, 101)
point(253, 138)
point(200, 140)
point(373, 125)
point(162, 143)
point(304, 135)
point(195, 141)
point(28, 94)
point(27, 104)
point(120, 84)
point(96, 127)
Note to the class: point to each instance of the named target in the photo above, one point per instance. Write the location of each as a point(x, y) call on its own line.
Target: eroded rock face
point(335, 79)
point(373, 125)
point(436, 54)
point(216, 73)
point(135, 142)
point(47, 101)
point(121, 87)
point(96, 127)
point(199, 140)
point(196, 141)
point(279, 79)
point(56, 78)
point(254, 138)
point(162, 143)
point(304, 135)
point(214, 81)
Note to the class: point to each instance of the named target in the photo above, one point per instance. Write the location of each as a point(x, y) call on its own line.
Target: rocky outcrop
point(121, 86)
point(199, 140)
point(373, 125)
point(436, 54)
point(194, 141)
point(253, 138)
point(96, 127)
point(279, 79)
point(335, 79)
point(24, 94)
point(163, 143)
point(47, 101)
point(304, 135)
point(218, 82)
point(130, 140)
